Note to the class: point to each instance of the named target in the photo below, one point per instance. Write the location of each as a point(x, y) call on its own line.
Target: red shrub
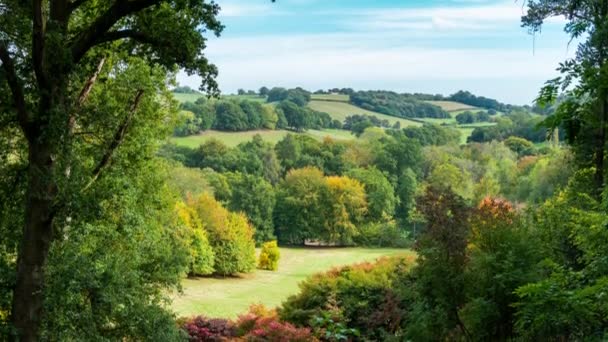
point(201, 329)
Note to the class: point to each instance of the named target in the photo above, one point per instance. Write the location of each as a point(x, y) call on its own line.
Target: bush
point(383, 234)
point(359, 297)
point(205, 329)
point(269, 257)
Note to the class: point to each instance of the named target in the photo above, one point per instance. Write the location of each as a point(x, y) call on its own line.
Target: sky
point(432, 46)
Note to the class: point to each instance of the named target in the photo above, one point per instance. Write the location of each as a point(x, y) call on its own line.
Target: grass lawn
point(465, 133)
point(232, 139)
point(340, 110)
point(229, 297)
point(330, 97)
point(451, 106)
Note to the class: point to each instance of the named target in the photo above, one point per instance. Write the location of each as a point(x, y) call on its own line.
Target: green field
point(330, 97)
point(181, 98)
point(451, 106)
point(234, 138)
point(340, 110)
point(228, 297)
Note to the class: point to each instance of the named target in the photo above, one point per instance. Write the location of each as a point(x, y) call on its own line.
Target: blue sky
point(435, 46)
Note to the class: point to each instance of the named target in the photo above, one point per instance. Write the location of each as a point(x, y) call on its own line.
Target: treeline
point(519, 124)
point(468, 117)
point(394, 104)
point(245, 115)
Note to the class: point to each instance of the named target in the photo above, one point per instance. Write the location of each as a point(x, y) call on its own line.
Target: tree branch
point(16, 89)
point(120, 9)
point(84, 94)
point(116, 141)
point(123, 34)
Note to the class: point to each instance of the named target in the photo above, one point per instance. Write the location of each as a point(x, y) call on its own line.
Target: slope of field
point(232, 139)
point(340, 110)
point(181, 98)
point(330, 97)
point(451, 106)
point(228, 297)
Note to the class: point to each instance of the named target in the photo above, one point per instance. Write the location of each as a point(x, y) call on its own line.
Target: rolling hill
point(340, 110)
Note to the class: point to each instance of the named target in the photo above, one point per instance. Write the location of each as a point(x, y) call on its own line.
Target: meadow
point(181, 97)
point(451, 106)
point(232, 139)
point(340, 110)
point(229, 297)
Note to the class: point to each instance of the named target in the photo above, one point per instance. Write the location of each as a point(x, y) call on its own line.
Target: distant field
point(330, 97)
point(229, 297)
point(451, 106)
point(340, 110)
point(181, 98)
point(234, 138)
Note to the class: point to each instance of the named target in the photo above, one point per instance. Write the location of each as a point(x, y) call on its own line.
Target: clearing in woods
point(229, 297)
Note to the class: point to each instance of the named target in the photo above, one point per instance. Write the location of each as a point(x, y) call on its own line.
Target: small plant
point(269, 257)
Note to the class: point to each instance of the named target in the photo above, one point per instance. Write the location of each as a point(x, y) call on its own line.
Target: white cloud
point(329, 60)
point(473, 16)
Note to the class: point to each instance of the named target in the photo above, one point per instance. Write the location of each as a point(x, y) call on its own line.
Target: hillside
point(232, 139)
point(451, 106)
point(340, 110)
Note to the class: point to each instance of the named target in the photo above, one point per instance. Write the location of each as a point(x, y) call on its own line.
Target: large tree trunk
point(35, 243)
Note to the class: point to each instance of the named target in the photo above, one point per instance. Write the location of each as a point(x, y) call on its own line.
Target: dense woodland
point(101, 216)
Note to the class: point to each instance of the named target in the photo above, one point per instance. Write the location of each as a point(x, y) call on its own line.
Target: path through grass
point(229, 297)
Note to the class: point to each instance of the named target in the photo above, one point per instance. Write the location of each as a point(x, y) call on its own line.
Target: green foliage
point(478, 101)
point(269, 256)
point(391, 103)
point(115, 263)
point(255, 197)
point(230, 236)
point(311, 206)
point(439, 275)
point(383, 234)
point(429, 134)
point(202, 258)
point(468, 117)
point(519, 145)
point(380, 194)
point(358, 298)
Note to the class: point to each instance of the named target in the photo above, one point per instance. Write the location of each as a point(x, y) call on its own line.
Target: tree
point(230, 236)
point(380, 194)
point(344, 207)
point(519, 145)
point(441, 264)
point(263, 91)
point(299, 213)
point(255, 197)
point(584, 111)
point(52, 54)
